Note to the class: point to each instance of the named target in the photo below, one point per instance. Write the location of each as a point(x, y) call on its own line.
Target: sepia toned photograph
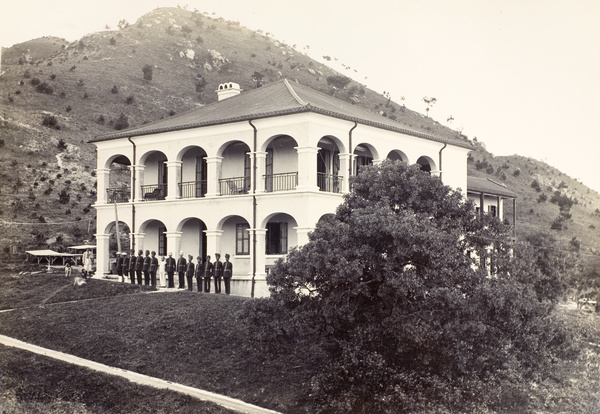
point(309, 207)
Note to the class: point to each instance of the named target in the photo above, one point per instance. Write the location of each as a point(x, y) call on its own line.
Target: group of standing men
point(148, 266)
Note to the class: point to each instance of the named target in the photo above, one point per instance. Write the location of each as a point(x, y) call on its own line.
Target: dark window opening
point(162, 241)
point(277, 235)
point(242, 239)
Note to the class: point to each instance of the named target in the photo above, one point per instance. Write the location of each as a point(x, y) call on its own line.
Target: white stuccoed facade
point(252, 188)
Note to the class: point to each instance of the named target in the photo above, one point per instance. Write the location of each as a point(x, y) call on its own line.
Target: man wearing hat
point(170, 267)
point(218, 272)
point(208, 269)
point(119, 264)
point(132, 261)
point(181, 268)
point(124, 266)
point(227, 273)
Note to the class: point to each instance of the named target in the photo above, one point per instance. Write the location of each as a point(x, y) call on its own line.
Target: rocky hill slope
point(56, 95)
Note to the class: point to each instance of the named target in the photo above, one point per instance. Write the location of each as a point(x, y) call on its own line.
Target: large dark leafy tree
point(405, 301)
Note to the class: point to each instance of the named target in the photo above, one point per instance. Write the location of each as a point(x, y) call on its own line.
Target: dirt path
point(227, 402)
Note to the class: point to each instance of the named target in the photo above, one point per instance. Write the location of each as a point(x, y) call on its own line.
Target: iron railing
point(281, 182)
point(118, 194)
point(234, 185)
point(154, 192)
point(192, 189)
point(329, 182)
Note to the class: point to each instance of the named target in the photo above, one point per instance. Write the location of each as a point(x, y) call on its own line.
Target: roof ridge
point(293, 92)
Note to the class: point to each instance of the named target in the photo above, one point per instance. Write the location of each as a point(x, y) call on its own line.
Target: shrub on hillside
point(122, 122)
point(148, 71)
point(61, 145)
point(114, 89)
point(130, 99)
point(50, 121)
point(186, 30)
point(35, 81)
point(536, 186)
point(64, 197)
point(44, 88)
point(397, 318)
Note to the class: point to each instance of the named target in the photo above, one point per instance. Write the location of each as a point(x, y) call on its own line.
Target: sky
point(522, 76)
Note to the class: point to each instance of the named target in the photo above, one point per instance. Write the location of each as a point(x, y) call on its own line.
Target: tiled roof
point(487, 186)
point(279, 98)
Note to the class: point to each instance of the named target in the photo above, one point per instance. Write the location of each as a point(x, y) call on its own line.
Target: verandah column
point(213, 243)
point(138, 240)
point(139, 181)
point(102, 183)
point(174, 242)
point(345, 168)
point(302, 235)
point(260, 254)
point(261, 160)
point(307, 168)
point(102, 254)
point(213, 168)
point(173, 179)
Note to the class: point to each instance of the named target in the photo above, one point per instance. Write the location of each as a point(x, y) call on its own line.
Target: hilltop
point(56, 95)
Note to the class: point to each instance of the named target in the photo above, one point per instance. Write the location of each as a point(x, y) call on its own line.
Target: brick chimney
point(227, 90)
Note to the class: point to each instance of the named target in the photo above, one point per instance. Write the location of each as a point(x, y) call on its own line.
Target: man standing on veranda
point(218, 272)
point(170, 267)
point(181, 268)
point(208, 269)
point(227, 273)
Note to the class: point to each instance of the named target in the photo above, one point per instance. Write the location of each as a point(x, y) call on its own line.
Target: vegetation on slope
point(56, 95)
point(198, 340)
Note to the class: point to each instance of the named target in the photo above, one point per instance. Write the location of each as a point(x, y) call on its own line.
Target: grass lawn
point(196, 339)
point(37, 384)
point(18, 291)
point(190, 338)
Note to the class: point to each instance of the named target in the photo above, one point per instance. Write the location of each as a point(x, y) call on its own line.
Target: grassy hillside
point(56, 95)
point(199, 340)
point(540, 188)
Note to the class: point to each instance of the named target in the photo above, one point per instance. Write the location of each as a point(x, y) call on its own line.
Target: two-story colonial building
point(251, 175)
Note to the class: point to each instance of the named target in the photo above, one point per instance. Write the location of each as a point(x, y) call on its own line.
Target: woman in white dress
point(87, 258)
point(161, 272)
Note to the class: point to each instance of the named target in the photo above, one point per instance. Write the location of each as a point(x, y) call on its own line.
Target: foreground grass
point(189, 338)
point(35, 384)
point(18, 291)
point(197, 340)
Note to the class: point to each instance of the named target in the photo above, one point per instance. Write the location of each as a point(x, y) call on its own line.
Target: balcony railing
point(281, 182)
point(192, 189)
point(118, 194)
point(154, 192)
point(329, 182)
point(234, 185)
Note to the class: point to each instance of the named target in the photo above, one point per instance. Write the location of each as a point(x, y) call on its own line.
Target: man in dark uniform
point(181, 268)
point(119, 265)
point(132, 260)
point(227, 273)
point(208, 269)
point(153, 268)
point(146, 268)
point(139, 265)
point(218, 272)
point(170, 267)
point(198, 273)
point(125, 266)
point(189, 273)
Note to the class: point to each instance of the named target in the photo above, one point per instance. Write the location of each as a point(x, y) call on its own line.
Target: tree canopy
point(405, 300)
